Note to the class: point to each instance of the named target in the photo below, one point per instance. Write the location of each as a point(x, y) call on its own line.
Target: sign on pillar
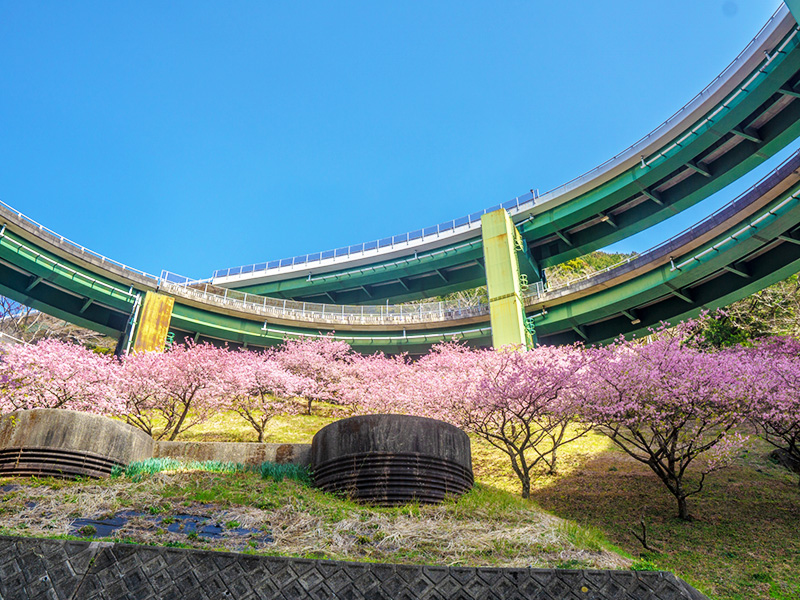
point(506, 308)
point(153, 325)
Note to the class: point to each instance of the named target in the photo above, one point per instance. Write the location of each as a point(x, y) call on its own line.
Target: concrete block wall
point(34, 569)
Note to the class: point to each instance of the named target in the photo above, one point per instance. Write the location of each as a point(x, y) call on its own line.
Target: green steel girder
point(85, 299)
point(722, 291)
point(106, 322)
point(528, 265)
point(221, 327)
point(794, 8)
point(409, 278)
point(669, 294)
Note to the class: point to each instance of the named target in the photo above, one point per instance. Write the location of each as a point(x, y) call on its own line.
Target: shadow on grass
point(743, 543)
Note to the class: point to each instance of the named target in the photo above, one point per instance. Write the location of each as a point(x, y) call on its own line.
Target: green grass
point(277, 472)
point(136, 471)
point(743, 543)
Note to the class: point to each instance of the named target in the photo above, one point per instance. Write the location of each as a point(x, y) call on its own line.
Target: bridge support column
point(152, 325)
point(501, 242)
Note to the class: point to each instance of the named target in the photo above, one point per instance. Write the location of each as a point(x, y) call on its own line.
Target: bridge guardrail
point(382, 314)
point(75, 245)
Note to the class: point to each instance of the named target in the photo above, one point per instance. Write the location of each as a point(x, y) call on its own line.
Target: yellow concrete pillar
point(153, 323)
point(501, 240)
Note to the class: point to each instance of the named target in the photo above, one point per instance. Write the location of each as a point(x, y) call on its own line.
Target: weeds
point(136, 471)
point(277, 472)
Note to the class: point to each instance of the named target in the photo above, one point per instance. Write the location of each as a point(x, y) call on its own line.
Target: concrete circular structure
point(66, 443)
point(392, 459)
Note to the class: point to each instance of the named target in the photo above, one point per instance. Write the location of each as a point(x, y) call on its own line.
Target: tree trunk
point(683, 509)
point(260, 436)
point(552, 463)
point(177, 429)
point(526, 487)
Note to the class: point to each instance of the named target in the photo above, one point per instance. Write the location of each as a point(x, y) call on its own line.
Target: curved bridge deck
point(746, 115)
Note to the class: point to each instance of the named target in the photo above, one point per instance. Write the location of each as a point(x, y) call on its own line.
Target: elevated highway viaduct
point(745, 116)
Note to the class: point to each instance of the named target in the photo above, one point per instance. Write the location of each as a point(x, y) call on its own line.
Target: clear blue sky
point(200, 135)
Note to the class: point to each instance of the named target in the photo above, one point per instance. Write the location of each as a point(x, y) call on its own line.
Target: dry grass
point(485, 527)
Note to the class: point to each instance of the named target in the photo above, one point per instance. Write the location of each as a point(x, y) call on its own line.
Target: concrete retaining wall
point(60, 442)
point(32, 569)
point(248, 453)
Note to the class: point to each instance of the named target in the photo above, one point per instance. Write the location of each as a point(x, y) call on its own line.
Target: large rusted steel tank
point(66, 443)
point(392, 459)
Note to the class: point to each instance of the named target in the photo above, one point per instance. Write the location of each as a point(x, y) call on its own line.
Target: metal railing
point(462, 223)
point(314, 312)
point(75, 246)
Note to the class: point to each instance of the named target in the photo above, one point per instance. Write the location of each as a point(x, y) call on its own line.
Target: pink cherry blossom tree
point(137, 385)
point(776, 406)
point(320, 362)
point(9, 382)
point(167, 393)
point(522, 403)
point(53, 374)
point(666, 404)
point(258, 388)
point(378, 384)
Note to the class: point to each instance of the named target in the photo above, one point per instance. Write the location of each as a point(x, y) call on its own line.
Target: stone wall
point(32, 569)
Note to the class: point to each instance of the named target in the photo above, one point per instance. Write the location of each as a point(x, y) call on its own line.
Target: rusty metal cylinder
point(66, 443)
point(392, 459)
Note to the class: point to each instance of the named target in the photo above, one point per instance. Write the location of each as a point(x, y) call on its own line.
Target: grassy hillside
point(743, 543)
point(585, 265)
